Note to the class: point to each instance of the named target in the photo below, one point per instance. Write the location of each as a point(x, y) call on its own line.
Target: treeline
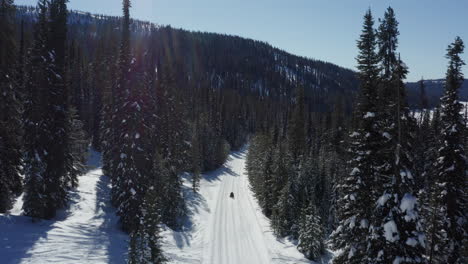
point(382, 185)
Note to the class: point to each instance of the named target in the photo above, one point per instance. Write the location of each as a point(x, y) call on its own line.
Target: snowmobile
point(231, 195)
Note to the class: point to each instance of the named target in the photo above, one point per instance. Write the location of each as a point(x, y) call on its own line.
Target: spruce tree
point(120, 93)
point(351, 235)
point(388, 43)
point(311, 233)
point(10, 110)
point(450, 169)
point(145, 245)
point(35, 195)
point(396, 227)
point(56, 116)
point(135, 160)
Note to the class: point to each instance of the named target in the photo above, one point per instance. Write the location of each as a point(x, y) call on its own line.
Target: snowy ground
point(86, 232)
point(222, 230)
point(218, 230)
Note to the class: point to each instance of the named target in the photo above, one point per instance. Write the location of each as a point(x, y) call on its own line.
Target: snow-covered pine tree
point(351, 235)
point(145, 245)
point(10, 110)
point(120, 93)
point(267, 199)
point(135, 160)
point(35, 196)
point(171, 137)
point(387, 38)
point(424, 141)
point(78, 149)
point(311, 233)
point(450, 234)
point(282, 212)
point(56, 116)
point(280, 178)
point(396, 227)
point(171, 127)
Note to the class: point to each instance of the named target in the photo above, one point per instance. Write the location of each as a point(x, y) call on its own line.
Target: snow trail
point(223, 230)
point(235, 235)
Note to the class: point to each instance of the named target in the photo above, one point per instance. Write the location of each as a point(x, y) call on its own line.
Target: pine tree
point(351, 235)
point(450, 169)
point(311, 233)
point(35, 195)
point(135, 160)
point(10, 111)
point(267, 199)
point(132, 158)
point(78, 149)
point(396, 227)
point(57, 124)
point(144, 246)
point(120, 93)
point(388, 43)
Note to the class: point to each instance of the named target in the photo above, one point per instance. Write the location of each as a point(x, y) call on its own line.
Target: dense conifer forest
point(342, 161)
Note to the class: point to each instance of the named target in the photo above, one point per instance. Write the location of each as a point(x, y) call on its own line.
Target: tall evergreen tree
point(396, 230)
point(388, 43)
point(135, 159)
point(450, 172)
point(56, 116)
point(396, 227)
point(311, 233)
point(145, 245)
point(35, 197)
point(354, 214)
point(10, 110)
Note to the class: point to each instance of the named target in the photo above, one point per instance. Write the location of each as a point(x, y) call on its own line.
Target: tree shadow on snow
point(109, 234)
point(18, 236)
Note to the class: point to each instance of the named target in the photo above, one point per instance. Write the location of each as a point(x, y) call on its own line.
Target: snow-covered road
point(223, 230)
point(234, 234)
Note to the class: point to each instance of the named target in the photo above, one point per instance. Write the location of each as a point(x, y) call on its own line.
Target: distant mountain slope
point(434, 90)
point(225, 61)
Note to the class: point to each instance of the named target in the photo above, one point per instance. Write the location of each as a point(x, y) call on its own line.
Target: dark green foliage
point(448, 233)
point(388, 43)
point(144, 246)
point(311, 233)
point(355, 193)
point(10, 110)
point(35, 203)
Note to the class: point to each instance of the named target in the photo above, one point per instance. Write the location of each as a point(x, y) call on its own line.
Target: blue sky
point(320, 29)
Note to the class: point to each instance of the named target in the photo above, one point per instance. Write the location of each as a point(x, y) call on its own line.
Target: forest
point(360, 164)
